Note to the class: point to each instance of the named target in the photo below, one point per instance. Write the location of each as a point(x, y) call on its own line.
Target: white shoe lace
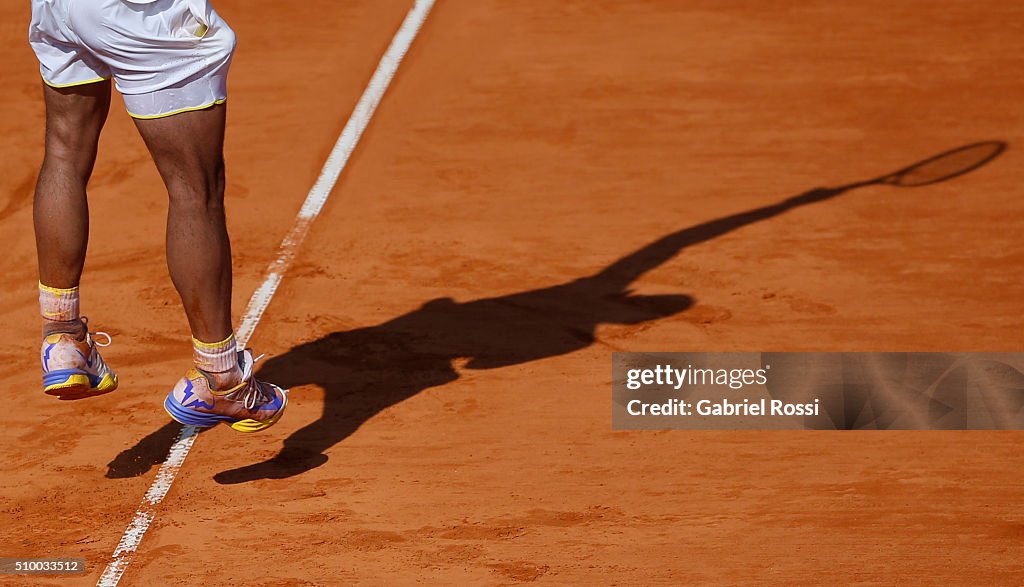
point(92, 335)
point(97, 359)
point(253, 393)
point(110, 339)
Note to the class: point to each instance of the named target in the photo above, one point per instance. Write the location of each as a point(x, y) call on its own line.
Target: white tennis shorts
point(165, 56)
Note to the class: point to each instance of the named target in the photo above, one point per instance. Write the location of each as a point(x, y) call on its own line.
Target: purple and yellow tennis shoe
point(250, 406)
point(74, 368)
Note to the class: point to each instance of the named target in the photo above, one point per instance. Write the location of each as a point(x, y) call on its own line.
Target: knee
point(201, 190)
point(70, 153)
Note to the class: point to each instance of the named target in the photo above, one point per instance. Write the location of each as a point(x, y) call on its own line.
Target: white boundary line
point(260, 299)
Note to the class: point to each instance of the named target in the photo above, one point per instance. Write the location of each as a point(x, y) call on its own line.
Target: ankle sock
point(218, 361)
point(59, 309)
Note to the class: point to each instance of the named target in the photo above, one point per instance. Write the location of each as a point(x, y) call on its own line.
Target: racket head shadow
point(947, 165)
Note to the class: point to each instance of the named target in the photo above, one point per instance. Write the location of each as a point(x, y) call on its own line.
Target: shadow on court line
point(367, 370)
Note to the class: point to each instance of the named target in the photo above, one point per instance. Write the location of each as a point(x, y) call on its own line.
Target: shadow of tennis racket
point(941, 167)
point(937, 169)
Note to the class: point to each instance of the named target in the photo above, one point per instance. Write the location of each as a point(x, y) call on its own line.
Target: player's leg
point(76, 92)
point(74, 119)
point(75, 115)
point(188, 151)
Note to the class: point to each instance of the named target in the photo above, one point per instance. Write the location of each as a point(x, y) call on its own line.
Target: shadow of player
point(366, 370)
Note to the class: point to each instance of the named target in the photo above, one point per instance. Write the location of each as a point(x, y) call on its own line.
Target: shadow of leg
point(147, 453)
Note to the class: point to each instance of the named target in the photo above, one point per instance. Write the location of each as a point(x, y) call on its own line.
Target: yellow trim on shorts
point(56, 290)
point(183, 110)
point(73, 84)
point(212, 345)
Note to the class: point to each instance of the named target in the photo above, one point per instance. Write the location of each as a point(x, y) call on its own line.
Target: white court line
point(260, 299)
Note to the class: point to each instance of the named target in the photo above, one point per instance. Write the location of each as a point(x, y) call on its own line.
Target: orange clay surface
point(449, 363)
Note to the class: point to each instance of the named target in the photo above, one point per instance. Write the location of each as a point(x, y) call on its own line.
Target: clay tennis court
point(448, 347)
